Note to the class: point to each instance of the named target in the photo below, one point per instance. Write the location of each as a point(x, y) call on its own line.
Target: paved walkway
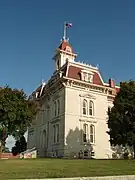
point(129, 177)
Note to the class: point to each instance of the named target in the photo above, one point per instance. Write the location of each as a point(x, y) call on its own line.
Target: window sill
point(87, 144)
point(55, 144)
point(88, 116)
point(54, 119)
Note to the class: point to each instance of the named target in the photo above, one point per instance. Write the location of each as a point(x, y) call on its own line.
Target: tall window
point(57, 132)
point(85, 106)
point(55, 108)
point(85, 132)
point(54, 133)
point(92, 133)
point(85, 76)
point(58, 106)
point(90, 78)
point(91, 108)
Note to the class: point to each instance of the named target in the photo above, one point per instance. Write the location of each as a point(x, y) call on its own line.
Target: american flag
point(68, 25)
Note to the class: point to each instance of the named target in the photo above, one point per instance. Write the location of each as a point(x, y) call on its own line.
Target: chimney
point(111, 83)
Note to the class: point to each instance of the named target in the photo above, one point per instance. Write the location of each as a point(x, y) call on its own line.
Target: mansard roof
point(73, 70)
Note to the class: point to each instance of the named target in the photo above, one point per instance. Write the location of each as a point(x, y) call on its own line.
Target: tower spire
point(64, 37)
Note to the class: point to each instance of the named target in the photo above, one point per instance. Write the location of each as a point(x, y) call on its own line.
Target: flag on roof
point(68, 25)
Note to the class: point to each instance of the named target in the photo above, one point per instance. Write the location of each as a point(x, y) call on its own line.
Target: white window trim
point(56, 133)
point(56, 107)
point(88, 134)
point(85, 125)
point(85, 106)
point(93, 126)
point(88, 107)
point(87, 73)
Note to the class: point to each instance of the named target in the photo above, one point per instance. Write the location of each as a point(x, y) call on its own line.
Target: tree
point(121, 122)
point(16, 113)
point(20, 146)
point(16, 148)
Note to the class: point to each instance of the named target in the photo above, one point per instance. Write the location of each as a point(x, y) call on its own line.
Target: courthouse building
point(72, 121)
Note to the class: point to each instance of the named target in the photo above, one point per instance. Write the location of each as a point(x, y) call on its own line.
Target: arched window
point(85, 106)
point(54, 133)
point(58, 106)
point(91, 108)
point(85, 132)
point(85, 76)
point(44, 143)
point(57, 132)
point(55, 108)
point(92, 133)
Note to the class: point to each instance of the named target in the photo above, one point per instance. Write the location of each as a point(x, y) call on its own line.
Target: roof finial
point(97, 66)
point(43, 82)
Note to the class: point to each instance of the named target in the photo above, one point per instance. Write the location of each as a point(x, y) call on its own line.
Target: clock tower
point(64, 52)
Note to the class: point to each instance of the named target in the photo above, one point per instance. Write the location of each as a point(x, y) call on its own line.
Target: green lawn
point(49, 168)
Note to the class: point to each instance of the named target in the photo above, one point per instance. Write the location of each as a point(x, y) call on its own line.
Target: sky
point(103, 33)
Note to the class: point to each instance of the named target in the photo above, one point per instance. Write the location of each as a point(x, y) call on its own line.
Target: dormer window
point(87, 76)
point(90, 78)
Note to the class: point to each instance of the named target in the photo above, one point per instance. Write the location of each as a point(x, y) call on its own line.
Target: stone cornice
point(50, 90)
point(89, 96)
point(88, 86)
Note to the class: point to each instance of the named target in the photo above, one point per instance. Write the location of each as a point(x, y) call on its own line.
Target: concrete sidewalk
point(126, 177)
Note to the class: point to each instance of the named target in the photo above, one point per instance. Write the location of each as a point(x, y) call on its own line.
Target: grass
point(49, 168)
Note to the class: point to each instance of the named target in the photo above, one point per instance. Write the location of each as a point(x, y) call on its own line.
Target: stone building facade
point(72, 121)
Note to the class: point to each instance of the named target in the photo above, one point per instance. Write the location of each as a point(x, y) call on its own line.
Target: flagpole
point(64, 37)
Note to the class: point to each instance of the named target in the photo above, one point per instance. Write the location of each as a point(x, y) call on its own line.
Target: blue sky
point(103, 33)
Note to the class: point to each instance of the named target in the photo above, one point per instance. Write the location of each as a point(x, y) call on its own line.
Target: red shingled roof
point(75, 73)
point(64, 44)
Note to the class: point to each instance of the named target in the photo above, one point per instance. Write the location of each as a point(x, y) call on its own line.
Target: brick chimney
point(111, 83)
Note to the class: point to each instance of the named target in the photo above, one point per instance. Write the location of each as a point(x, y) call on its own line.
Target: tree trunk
point(134, 149)
point(0, 149)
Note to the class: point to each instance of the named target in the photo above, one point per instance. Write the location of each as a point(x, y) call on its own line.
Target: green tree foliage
point(16, 112)
point(20, 146)
point(121, 120)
